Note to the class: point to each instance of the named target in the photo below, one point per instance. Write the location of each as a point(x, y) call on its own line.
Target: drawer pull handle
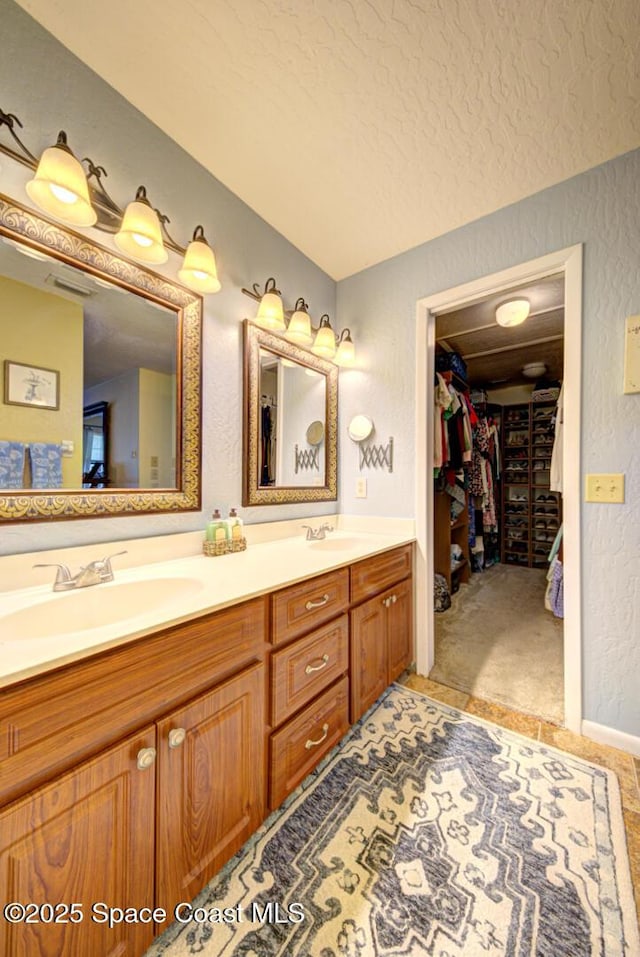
point(314, 744)
point(146, 758)
point(317, 604)
point(324, 661)
point(177, 737)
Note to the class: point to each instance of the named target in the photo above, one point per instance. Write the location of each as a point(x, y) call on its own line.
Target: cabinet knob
point(310, 743)
point(323, 664)
point(317, 604)
point(146, 758)
point(177, 737)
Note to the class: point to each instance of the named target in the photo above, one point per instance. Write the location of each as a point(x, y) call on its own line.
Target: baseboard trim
point(615, 739)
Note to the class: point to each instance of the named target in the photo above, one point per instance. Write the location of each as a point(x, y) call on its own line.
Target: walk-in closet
point(497, 485)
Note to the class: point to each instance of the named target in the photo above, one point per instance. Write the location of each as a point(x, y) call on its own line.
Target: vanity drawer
point(374, 574)
point(52, 722)
point(302, 669)
point(299, 608)
point(298, 746)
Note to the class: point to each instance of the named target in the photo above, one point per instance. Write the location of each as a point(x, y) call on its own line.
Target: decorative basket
point(213, 549)
point(545, 395)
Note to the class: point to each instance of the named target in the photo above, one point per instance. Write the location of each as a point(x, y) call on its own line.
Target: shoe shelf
point(530, 510)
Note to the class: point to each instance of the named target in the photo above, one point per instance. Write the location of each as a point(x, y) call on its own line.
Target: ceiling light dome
point(513, 312)
point(533, 370)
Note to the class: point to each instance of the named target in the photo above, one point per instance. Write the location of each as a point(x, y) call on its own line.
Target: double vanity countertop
point(41, 630)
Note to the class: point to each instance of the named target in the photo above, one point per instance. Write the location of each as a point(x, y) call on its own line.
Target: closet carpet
point(497, 641)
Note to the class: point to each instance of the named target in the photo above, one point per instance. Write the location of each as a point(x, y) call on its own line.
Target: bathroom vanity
point(176, 742)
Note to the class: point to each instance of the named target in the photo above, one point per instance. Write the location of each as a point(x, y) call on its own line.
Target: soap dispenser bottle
point(234, 526)
point(217, 528)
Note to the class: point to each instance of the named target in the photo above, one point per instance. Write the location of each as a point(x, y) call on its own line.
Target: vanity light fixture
point(322, 340)
point(140, 234)
point(513, 312)
point(62, 188)
point(346, 352)
point(299, 328)
point(270, 314)
point(324, 344)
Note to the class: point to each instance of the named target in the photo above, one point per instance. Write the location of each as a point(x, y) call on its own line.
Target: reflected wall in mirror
point(127, 345)
point(286, 390)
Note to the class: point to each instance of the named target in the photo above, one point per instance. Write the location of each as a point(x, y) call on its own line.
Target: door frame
point(569, 262)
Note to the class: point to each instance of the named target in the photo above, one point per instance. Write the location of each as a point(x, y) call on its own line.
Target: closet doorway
point(515, 572)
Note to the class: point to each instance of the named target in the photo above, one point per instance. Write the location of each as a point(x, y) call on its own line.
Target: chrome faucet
point(317, 534)
point(92, 574)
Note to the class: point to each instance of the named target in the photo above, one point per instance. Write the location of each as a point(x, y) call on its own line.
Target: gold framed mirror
point(286, 388)
point(88, 309)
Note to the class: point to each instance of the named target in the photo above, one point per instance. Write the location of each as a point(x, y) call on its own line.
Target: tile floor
point(625, 766)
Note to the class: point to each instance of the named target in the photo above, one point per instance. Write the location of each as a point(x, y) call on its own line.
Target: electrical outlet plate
point(361, 488)
point(604, 487)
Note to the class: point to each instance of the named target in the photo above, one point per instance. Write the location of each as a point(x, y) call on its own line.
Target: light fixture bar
point(110, 215)
point(323, 340)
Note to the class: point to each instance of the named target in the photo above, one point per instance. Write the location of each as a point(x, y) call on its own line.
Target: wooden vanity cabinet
point(148, 820)
point(381, 627)
point(210, 798)
point(86, 838)
point(309, 684)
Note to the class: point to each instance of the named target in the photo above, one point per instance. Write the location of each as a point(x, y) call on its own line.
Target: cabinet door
point(368, 655)
point(211, 784)
point(84, 839)
point(399, 629)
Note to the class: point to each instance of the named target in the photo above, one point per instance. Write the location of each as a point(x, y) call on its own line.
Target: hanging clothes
point(555, 475)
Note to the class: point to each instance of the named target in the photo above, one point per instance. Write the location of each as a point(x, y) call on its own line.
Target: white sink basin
point(337, 544)
point(67, 612)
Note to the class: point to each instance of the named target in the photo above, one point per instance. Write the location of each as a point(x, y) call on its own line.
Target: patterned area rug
point(428, 832)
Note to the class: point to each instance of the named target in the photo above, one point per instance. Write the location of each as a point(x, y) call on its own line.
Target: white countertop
point(168, 592)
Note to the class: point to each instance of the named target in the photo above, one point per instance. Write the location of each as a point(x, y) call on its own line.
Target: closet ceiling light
point(512, 313)
point(533, 370)
point(61, 188)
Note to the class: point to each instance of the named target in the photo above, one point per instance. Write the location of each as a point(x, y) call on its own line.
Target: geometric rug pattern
point(428, 832)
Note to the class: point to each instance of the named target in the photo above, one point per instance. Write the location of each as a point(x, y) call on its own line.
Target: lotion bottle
point(234, 526)
point(217, 528)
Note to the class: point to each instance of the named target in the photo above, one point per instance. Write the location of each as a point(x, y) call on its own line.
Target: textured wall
point(50, 89)
point(601, 209)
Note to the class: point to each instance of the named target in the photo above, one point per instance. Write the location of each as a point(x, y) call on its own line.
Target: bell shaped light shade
point(346, 354)
point(270, 313)
point(325, 341)
point(140, 236)
point(60, 188)
point(199, 271)
point(512, 313)
point(299, 328)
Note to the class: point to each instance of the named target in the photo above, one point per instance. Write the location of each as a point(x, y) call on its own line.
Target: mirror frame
point(256, 338)
point(30, 229)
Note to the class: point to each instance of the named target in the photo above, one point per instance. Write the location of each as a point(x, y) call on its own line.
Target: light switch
point(606, 487)
point(361, 487)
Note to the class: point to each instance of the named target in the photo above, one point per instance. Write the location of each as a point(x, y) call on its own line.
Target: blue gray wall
point(601, 209)
point(50, 89)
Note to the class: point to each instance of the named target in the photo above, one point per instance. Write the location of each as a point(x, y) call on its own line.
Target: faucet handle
point(62, 575)
point(104, 565)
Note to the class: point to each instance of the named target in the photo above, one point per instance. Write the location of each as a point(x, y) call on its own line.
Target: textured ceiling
point(361, 128)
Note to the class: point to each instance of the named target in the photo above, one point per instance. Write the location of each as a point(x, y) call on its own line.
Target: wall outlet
point(361, 488)
point(605, 487)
